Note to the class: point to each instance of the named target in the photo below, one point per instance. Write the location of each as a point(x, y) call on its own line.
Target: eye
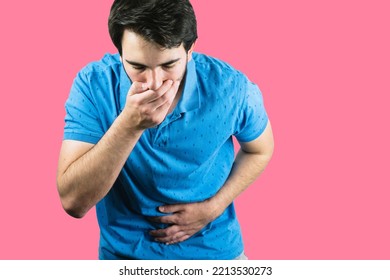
point(169, 66)
point(139, 68)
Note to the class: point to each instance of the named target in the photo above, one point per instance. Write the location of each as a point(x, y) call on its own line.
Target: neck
point(177, 97)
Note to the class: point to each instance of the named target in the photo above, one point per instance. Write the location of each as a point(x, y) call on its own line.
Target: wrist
point(215, 207)
point(128, 125)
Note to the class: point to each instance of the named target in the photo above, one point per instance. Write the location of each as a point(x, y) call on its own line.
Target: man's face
point(148, 63)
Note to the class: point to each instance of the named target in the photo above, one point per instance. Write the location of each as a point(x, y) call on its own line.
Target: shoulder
point(217, 71)
point(109, 65)
point(223, 78)
point(206, 63)
point(98, 81)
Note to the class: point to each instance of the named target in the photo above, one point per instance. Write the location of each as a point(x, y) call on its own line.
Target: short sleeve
point(253, 117)
point(81, 119)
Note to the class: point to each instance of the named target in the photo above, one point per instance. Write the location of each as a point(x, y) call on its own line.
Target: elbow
point(73, 211)
point(72, 206)
point(76, 215)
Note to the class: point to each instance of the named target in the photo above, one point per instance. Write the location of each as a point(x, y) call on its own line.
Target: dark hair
point(168, 23)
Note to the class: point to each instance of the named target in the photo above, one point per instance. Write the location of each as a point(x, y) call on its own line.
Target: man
point(148, 140)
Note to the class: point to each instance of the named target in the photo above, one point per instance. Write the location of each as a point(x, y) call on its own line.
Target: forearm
point(88, 179)
point(247, 167)
point(187, 219)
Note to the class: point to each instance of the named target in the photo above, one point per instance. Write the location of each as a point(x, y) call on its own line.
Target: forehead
point(135, 47)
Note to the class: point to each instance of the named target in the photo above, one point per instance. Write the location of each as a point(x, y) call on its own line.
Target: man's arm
point(188, 219)
point(87, 172)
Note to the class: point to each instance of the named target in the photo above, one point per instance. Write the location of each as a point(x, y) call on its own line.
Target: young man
point(148, 140)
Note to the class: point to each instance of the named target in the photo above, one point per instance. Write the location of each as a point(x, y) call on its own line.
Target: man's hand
point(147, 108)
point(185, 220)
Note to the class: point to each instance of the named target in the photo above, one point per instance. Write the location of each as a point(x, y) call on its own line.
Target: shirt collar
point(124, 86)
point(190, 99)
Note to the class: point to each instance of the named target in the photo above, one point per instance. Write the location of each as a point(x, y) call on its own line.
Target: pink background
point(323, 67)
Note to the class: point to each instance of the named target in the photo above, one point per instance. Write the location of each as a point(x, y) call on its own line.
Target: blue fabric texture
point(187, 158)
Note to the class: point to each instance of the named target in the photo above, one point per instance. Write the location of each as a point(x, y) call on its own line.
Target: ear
point(190, 51)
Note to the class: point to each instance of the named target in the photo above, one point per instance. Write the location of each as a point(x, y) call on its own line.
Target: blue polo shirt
point(187, 158)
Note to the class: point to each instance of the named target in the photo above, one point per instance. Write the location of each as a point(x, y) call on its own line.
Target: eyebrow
point(142, 65)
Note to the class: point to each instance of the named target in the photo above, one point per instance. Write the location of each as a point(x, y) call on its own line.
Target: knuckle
point(163, 89)
point(170, 231)
point(145, 110)
point(164, 98)
point(177, 220)
point(155, 119)
point(160, 234)
point(157, 93)
point(163, 220)
point(136, 102)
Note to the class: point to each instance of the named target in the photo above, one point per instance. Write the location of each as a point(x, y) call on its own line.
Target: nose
point(155, 79)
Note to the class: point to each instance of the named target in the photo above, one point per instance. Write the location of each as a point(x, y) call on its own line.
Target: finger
point(171, 239)
point(171, 208)
point(184, 237)
point(161, 103)
point(158, 233)
point(154, 95)
point(137, 87)
point(170, 219)
point(166, 232)
point(160, 106)
point(165, 102)
point(165, 87)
